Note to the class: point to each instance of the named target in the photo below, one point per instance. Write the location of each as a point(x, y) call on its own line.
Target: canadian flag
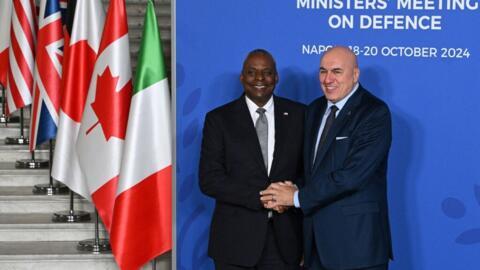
point(103, 125)
point(80, 54)
point(5, 17)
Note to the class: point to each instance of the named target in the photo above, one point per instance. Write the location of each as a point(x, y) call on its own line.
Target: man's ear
point(356, 74)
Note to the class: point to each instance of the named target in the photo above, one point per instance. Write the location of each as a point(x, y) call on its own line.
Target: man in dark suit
point(247, 144)
point(344, 196)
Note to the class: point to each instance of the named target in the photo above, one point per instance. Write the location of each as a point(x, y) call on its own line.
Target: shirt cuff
point(296, 202)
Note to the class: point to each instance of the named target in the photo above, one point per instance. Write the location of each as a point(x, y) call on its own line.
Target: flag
point(21, 55)
point(5, 19)
point(63, 10)
point(142, 220)
point(84, 26)
point(104, 121)
point(48, 74)
point(63, 6)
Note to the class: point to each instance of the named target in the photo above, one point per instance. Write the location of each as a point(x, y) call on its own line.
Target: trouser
point(269, 260)
point(316, 264)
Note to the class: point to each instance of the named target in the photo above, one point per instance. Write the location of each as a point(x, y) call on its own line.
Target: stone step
point(135, 42)
point(26, 127)
point(135, 33)
point(26, 113)
point(137, 21)
point(12, 155)
point(40, 227)
point(11, 131)
point(3, 146)
point(129, 2)
point(28, 237)
point(11, 177)
point(137, 9)
point(22, 200)
point(136, 12)
point(61, 255)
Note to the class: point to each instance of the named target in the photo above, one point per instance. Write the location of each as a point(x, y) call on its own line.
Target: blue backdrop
point(421, 57)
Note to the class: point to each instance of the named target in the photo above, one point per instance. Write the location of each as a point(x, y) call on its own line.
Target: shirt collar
point(252, 107)
point(344, 100)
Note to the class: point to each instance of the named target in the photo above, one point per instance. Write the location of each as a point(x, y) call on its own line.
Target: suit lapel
point(343, 118)
point(246, 129)
point(281, 131)
point(315, 124)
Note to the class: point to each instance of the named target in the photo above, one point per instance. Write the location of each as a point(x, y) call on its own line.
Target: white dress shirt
point(270, 114)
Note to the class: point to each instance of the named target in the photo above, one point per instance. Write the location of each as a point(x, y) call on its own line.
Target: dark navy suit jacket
point(344, 197)
point(232, 172)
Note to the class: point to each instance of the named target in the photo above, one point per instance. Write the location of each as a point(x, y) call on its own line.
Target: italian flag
point(141, 227)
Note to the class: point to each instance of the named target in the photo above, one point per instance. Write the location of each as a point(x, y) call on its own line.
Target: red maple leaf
point(110, 106)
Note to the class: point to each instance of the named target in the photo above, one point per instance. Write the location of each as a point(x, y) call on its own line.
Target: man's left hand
point(278, 194)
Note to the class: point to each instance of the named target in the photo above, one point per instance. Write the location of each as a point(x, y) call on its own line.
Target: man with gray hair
point(344, 196)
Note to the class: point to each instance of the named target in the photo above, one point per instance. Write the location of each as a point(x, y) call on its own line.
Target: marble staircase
point(29, 239)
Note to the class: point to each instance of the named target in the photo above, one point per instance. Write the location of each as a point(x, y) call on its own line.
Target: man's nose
point(259, 76)
point(328, 77)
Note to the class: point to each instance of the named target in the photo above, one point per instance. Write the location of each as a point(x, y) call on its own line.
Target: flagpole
point(22, 140)
point(97, 245)
point(3, 117)
point(47, 189)
point(71, 215)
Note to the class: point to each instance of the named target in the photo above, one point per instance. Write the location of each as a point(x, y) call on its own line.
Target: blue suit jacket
point(344, 195)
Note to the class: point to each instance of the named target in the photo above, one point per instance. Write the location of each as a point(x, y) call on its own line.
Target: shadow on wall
point(298, 85)
point(406, 156)
point(193, 227)
point(225, 87)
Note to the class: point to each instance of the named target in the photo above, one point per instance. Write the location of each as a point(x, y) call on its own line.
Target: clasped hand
point(278, 196)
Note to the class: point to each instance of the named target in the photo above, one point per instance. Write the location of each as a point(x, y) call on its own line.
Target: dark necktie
point(261, 127)
point(328, 124)
point(326, 127)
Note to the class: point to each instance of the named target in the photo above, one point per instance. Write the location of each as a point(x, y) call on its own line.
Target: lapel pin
point(285, 113)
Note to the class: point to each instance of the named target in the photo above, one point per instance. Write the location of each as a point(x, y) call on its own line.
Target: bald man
point(344, 196)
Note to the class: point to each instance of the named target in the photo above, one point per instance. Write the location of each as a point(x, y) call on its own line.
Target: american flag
point(48, 73)
point(5, 18)
point(21, 55)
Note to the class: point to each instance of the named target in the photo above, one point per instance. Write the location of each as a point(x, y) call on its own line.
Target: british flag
point(48, 73)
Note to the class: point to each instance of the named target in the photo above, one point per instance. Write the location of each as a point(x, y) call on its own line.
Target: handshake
point(278, 196)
